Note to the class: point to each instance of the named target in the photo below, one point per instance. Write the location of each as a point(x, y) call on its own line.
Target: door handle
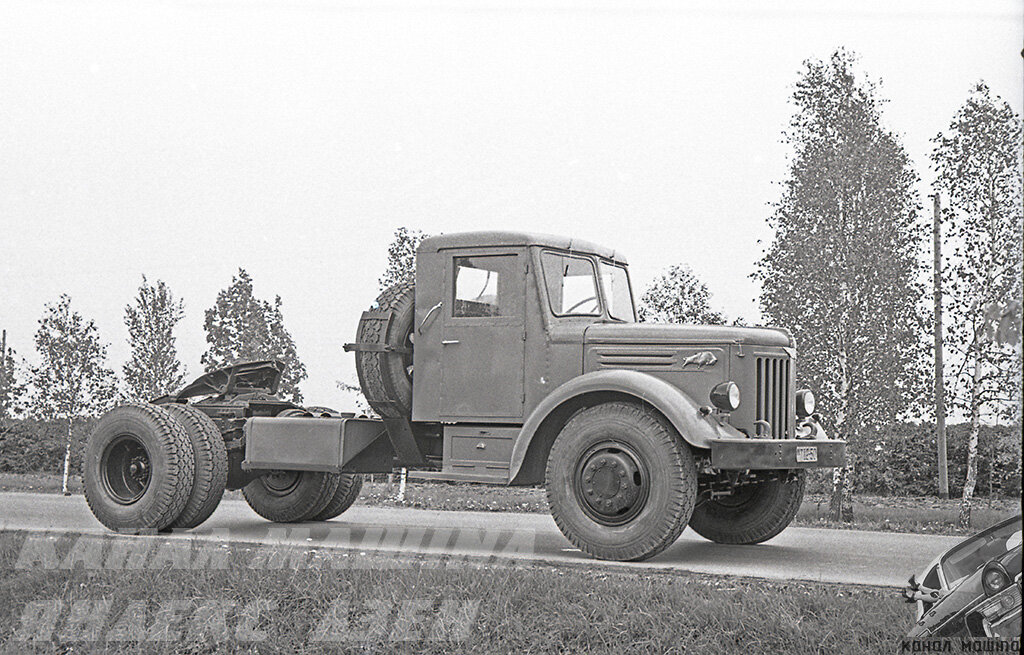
point(449, 342)
point(430, 313)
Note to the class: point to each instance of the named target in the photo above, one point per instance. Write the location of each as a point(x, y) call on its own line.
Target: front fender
point(680, 410)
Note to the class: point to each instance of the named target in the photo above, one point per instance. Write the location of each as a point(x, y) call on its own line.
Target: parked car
point(973, 590)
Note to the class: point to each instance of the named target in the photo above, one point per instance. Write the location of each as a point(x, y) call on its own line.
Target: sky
point(183, 140)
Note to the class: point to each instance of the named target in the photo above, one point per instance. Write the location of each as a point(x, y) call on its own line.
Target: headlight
point(804, 403)
point(726, 396)
point(994, 579)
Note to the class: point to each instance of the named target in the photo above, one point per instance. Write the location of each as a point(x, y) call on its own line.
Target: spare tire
point(386, 376)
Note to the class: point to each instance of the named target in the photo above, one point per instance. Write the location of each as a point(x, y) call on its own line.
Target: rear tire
point(290, 496)
point(349, 486)
point(138, 469)
point(753, 515)
point(211, 465)
point(386, 377)
point(621, 483)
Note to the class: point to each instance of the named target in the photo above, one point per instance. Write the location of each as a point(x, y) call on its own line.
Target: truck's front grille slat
point(772, 394)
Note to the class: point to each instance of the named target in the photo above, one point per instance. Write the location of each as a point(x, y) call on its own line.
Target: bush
point(902, 460)
point(31, 446)
point(898, 461)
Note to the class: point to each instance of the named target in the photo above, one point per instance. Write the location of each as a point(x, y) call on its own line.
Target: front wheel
point(621, 483)
point(752, 514)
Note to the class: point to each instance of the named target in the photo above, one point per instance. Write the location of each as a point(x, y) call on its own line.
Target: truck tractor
point(513, 359)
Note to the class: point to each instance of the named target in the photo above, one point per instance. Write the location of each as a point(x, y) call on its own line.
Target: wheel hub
point(125, 469)
point(281, 483)
point(612, 483)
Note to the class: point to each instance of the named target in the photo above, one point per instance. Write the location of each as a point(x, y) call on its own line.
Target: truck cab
point(504, 319)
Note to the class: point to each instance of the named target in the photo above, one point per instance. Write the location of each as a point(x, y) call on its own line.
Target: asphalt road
point(843, 556)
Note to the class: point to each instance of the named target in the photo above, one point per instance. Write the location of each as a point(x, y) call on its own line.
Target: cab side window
point(482, 286)
point(571, 285)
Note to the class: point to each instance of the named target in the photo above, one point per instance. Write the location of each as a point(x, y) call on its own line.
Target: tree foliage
point(71, 380)
point(153, 368)
point(678, 296)
point(843, 272)
point(978, 166)
point(401, 266)
point(240, 327)
point(12, 389)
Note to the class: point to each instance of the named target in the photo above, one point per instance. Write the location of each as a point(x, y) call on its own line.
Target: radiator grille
point(773, 394)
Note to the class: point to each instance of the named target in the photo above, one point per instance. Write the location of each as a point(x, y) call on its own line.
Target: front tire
point(621, 483)
point(139, 469)
point(753, 514)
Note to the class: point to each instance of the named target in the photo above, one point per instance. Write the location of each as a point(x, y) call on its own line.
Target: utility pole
point(3, 375)
point(940, 386)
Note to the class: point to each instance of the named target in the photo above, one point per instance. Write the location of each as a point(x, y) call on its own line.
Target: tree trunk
point(67, 462)
point(972, 443)
point(840, 504)
point(401, 485)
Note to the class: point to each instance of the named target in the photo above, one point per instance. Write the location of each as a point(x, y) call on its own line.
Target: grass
point(880, 513)
point(885, 514)
point(503, 607)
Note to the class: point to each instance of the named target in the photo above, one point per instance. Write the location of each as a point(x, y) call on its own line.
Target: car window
point(932, 579)
point(571, 285)
point(615, 283)
point(972, 554)
point(482, 286)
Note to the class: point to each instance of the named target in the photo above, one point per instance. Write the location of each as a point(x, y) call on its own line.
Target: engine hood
point(654, 333)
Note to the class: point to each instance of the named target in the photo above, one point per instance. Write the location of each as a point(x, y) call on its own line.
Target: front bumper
point(758, 454)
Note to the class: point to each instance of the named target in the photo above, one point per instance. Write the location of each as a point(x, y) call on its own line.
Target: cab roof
point(485, 239)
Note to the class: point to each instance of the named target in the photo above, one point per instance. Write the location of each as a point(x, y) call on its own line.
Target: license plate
point(806, 453)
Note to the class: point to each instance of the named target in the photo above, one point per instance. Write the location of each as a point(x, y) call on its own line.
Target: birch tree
point(153, 368)
point(71, 381)
point(678, 296)
point(843, 271)
point(241, 327)
point(12, 390)
point(401, 265)
point(977, 161)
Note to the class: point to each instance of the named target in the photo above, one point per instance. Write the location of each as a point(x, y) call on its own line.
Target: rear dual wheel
point(139, 469)
point(292, 496)
point(211, 465)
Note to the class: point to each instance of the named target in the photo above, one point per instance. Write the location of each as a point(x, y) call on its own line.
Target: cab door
point(483, 336)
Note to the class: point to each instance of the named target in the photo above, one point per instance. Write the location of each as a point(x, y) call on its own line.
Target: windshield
point(571, 284)
point(971, 555)
point(615, 283)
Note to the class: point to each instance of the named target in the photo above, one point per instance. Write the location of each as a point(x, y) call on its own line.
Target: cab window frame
point(629, 286)
point(517, 311)
point(599, 294)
